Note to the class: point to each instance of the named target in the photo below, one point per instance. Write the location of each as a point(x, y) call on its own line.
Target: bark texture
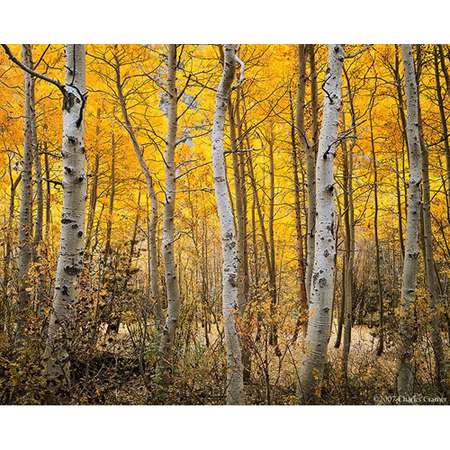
point(73, 211)
point(322, 282)
point(168, 238)
point(235, 385)
point(26, 193)
point(310, 151)
point(405, 378)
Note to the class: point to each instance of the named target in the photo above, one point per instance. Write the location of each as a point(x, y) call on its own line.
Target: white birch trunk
point(235, 385)
point(322, 282)
point(73, 211)
point(168, 237)
point(405, 378)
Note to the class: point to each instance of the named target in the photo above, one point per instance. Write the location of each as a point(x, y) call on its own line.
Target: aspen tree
point(322, 282)
point(170, 271)
point(153, 225)
point(431, 275)
point(73, 212)
point(230, 302)
point(380, 347)
point(311, 153)
point(26, 193)
point(405, 375)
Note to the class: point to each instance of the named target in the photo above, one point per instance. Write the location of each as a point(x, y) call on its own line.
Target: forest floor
point(274, 378)
point(116, 374)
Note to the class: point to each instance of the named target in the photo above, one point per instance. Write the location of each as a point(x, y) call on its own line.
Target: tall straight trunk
point(431, 276)
point(268, 246)
point(93, 190)
point(168, 236)
point(112, 196)
point(444, 126)
point(322, 283)
point(38, 222)
point(405, 379)
point(242, 175)
point(241, 227)
point(271, 262)
point(26, 194)
point(310, 151)
point(242, 230)
point(349, 225)
point(48, 193)
point(399, 205)
point(401, 110)
point(380, 347)
point(230, 301)
point(302, 297)
point(239, 204)
point(8, 248)
point(73, 211)
point(92, 203)
point(157, 308)
point(432, 281)
point(153, 225)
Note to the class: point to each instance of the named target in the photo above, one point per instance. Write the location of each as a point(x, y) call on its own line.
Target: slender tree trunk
point(26, 194)
point(112, 196)
point(157, 308)
point(444, 126)
point(322, 283)
point(302, 297)
point(349, 251)
point(271, 261)
point(153, 225)
point(399, 205)
point(241, 230)
point(38, 223)
point(48, 193)
point(380, 347)
point(72, 220)
point(93, 191)
point(431, 276)
point(310, 152)
point(235, 385)
point(405, 380)
point(8, 242)
point(170, 270)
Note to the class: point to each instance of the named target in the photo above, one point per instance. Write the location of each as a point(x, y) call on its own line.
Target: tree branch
point(30, 71)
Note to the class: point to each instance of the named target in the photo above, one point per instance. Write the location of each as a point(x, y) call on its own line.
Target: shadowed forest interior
point(224, 224)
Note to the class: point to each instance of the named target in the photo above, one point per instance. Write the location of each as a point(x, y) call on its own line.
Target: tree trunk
point(235, 385)
point(349, 248)
point(380, 347)
point(72, 220)
point(302, 296)
point(310, 151)
point(241, 229)
point(431, 276)
point(322, 283)
point(170, 270)
point(405, 379)
point(444, 126)
point(112, 195)
point(93, 191)
point(153, 225)
point(26, 194)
